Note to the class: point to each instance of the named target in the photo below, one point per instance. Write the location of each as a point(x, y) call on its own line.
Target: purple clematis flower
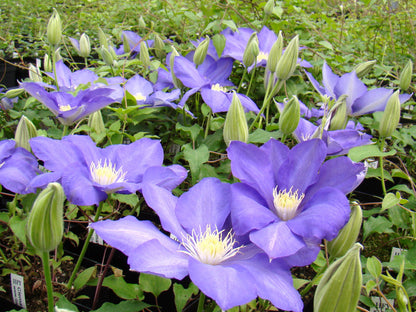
point(5, 102)
point(211, 79)
point(133, 41)
point(360, 101)
point(17, 167)
point(204, 247)
point(88, 173)
point(289, 200)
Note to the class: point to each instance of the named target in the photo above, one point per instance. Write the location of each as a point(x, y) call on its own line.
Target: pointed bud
point(235, 125)
point(275, 53)
point(24, 132)
point(96, 123)
point(339, 114)
point(201, 51)
point(364, 68)
point(126, 44)
point(102, 38)
point(287, 63)
point(12, 93)
point(57, 54)
point(47, 63)
point(406, 76)
point(251, 51)
point(289, 119)
point(269, 7)
point(348, 235)
point(54, 29)
point(45, 222)
point(391, 116)
point(159, 46)
point(84, 46)
point(176, 82)
point(34, 73)
point(219, 43)
point(107, 56)
point(142, 23)
point(340, 286)
point(144, 54)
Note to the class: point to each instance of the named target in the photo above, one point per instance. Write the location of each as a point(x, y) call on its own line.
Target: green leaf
point(376, 225)
point(365, 151)
point(299, 282)
point(218, 41)
point(84, 277)
point(123, 306)
point(154, 284)
point(326, 44)
point(390, 200)
point(374, 267)
point(195, 158)
point(262, 136)
point(182, 295)
point(231, 24)
point(193, 130)
point(64, 303)
point(129, 199)
point(123, 289)
point(18, 226)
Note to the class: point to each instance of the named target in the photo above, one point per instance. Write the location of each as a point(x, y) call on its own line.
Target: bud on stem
point(235, 125)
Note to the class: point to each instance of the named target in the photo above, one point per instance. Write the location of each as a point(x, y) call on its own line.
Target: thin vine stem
point(48, 279)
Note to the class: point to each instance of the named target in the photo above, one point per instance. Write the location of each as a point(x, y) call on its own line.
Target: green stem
point(383, 183)
point(241, 81)
point(48, 280)
point(207, 125)
point(201, 302)
point(65, 130)
point(84, 248)
point(251, 78)
point(54, 67)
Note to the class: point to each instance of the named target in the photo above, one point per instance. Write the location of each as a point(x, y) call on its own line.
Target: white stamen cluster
point(218, 87)
point(262, 56)
point(210, 247)
point(65, 108)
point(106, 173)
point(139, 96)
point(286, 203)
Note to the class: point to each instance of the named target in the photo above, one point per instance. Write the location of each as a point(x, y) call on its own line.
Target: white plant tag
point(381, 304)
point(395, 252)
point(18, 290)
point(95, 238)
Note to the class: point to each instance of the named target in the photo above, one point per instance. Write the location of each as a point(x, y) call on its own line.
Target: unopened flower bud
point(107, 56)
point(159, 46)
point(176, 82)
point(364, 68)
point(12, 93)
point(201, 51)
point(287, 63)
point(126, 44)
point(391, 116)
point(34, 73)
point(102, 38)
point(269, 7)
point(340, 286)
point(348, 235)
point(275, 53)
point(24, 132)
point(289, 119)
point(251, 51)
point(45, 222)
point(406, 76)
point(84, 46)
point(142, 23)
point(144, 54)
point(339, 114)
point(57, 54)
point(54, 29)
point(47, 63)
point(96, 123)
point(402, 299)
point(235, 125)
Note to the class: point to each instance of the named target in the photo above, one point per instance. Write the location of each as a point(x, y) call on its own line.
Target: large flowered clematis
point(17, 167)
point(211, 80)
point(290, 199)
point(360, 101)
point(204, 247)
point(89, 173)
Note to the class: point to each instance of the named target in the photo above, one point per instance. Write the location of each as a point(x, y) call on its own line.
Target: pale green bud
point(391, 116)
point(201, 51)
point(102, 38)
point(142, 23)
point(275, 53)
point(34, 73)
point(144, 54)
point(406, 76)
point(287, 63)
point(45, 224)
point(364, 68)
point(159, 46)
point(176, 82)
point(96, 123)
point(126, 44)
point(54, 29)
point(107, 56)
point(84, 46)
point(57, 54)
point(402, 299)
point(348, 235)
point(14, 93)
point(269, 7)
point(251, 51)
point(339, 114)
point(24, 132)
point(235, 125)
point(340, 286)
point(47, 63)
point(289, 119)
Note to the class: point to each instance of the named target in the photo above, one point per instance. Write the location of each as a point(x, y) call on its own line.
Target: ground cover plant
point(224, 156)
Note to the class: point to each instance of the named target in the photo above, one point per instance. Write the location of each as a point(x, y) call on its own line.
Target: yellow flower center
point(65, 108)
point(139, 97)
point(106, 174)
point(286, 203)
point(210, 247)
point(262, 56)
point(218, 87)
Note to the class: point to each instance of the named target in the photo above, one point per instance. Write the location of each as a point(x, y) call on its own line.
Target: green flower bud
point(102, 38)
point(251, 51)
point(96, 123)
point(159, 47)
point(406, 76)
point(364, 68)
point(287, 63)
point(269, 7)
point(107, 56)
point(45, 224)
point(402, 299)
point(340, 286)
point(235, 125)
point(391, 116)
point(126, 44)
point(289, 119)
point(339, 114)
point(144, 54)
point(275, 53)
point(57, 54)
point(47, 63)
point(348, 234)
point(54, 29)
point(176, 82)
point(34, 73)
point(201, 51)
point(142, 23)
point(24, 132)
point(14, 93)
point(84, 46)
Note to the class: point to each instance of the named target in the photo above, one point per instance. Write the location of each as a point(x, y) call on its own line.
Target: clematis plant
point(225, 267)
point(290, 199)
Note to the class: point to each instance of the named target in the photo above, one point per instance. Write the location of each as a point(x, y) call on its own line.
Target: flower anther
point(286, 203)
point(106, 173)
point(139, 96)
point(262, 56)
point(218, 87)
point(65, 108)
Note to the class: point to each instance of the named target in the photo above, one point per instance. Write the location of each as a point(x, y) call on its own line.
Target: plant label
point(18, 290)
point(380, 304)
point(95, 238)
point(395, 252)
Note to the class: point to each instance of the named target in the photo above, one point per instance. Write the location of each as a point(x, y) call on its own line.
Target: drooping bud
point(12, 93)
point(24, 132)
point(54, 29)
point(289, 119)
point(45, 222)
point(126, 44)
point(275, 53)
point(251, 51)
point(47, 63)
point(287, 63)
point(269, 7)
point(144, 54)
point(340, 286)
point(176, 82)
point(142, 23)
point(201, 51)
point(364, 68)
point(235, 125)
point(406, 76)
point(84, 46)
point(96, 123)
point(159, 46)
point(102, 38)
point(391, 116)
point(107, 56)
point(34, 72)
point(348, 235)
point(339, 114)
